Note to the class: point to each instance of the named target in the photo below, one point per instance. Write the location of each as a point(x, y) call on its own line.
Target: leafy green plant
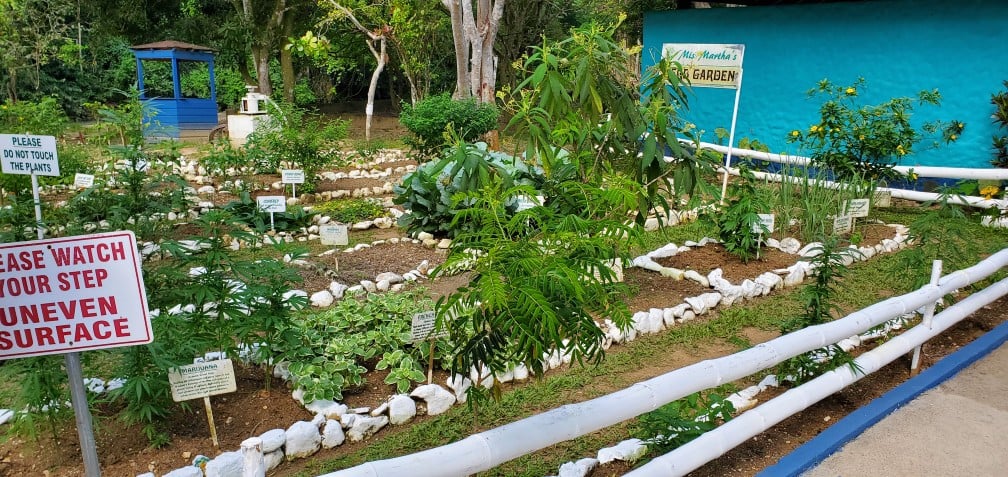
point(807, 366)
point(828, 264)
point(681, 421)
point(42, 392)
point(866, 141)
point(348, 211)
point(941, 232)
point(587, 115)
point(738, 223)
point(245, 209)
point(1000, 143)
point(403, 370)
point(223, 160)
point(428, 192)
point(538, 282)
point(44, 117)
point(429, 118)
point(292, 138)
point(327, 351)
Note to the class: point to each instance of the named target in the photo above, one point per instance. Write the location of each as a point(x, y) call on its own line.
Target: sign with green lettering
point(707, 65)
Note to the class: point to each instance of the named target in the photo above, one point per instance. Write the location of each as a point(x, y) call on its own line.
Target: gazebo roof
point(171, 45)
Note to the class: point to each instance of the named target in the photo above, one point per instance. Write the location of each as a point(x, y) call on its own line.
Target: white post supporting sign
point(712, 66)
point(202, 380)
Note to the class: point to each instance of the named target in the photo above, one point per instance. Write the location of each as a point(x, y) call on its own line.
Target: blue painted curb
point(836, 436)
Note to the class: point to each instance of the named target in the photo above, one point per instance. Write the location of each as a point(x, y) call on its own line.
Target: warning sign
point(27, 154)
point(71, 294)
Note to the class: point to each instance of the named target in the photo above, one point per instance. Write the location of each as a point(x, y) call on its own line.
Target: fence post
point(936, 269)
point(253, 464)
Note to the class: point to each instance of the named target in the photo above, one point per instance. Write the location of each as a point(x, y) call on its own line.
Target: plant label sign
point(83, 181)
point(765, 220)
point(272, 203)
point(526, 203)
point(334, 234)
point(27, 154)
point(883, 198)
point(71, 294)
point(292, 176)
point(422, 327)
point(201, 380)
point(856, 208)
point(843, 224)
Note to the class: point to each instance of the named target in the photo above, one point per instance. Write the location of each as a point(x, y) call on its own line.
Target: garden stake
point(430, 364)
point(209, 416)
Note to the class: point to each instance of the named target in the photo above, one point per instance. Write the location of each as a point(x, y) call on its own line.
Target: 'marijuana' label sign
point(707, 65)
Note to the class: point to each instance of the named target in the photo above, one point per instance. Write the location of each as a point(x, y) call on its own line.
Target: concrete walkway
point(958, 426)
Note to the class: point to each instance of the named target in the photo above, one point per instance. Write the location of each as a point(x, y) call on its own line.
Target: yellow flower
point(850, 91)
point(900, 150)
point(861, 137)
point(795, 133)
point(988, 192)
point(953, 137)
point(911, 175)
point(814, 129)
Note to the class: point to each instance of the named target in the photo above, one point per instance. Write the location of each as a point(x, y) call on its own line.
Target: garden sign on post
point(712, 66)
point(202, 380)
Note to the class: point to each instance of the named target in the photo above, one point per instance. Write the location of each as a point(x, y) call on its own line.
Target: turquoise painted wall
point(900, 47)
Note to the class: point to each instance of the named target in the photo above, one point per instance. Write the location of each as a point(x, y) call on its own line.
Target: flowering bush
point(866, 141)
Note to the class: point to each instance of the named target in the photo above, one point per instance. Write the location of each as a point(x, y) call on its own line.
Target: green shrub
point(738, 222)
point(43, 118)
point(430, 117)
point(292, 138)
point(349, 211)
point(245, 210)
point(428, 192)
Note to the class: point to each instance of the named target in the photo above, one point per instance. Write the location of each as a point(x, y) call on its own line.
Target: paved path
point(957, 427)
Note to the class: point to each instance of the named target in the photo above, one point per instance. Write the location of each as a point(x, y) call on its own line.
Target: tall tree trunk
point(382, 58)
point(287, 61)
point(455, 8)
point(260, 57)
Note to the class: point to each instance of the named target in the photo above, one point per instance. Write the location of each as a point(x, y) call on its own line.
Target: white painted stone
point(382, 285)
point(697, 277)
point(384, 222)
point(789, 245)
point(770, 381)
point(651, 224)
point(424, 267)
point(521, 372)
point(688, 315)
point(303, 440)
point(438, 399)
point(866, 252)
point(337, 289)
point(811, 249)
point(332, 434)
point(318, 420)
point(273, 459)
point(703, 303)
point(322, 299)
point(188, 471)
point(460, 384)
point(354, 290)
point(769, 281)
point(664, 251)
point(741, 403)
point(293, 293)
point(365, 426)
point(272, 440)
point(398, 287)
point(424, 236)
point(228, 464)
point(207, 189)
point(401, 409)
point(368, 285)
point(430, 243)
point(750, 289)
point(628, 451)
point(655, 320)
point(668, 317)
point(444, 244)
point(794, 277)
point(363, 225)
point(390, 277)
point(581, 468)
point(717, 281)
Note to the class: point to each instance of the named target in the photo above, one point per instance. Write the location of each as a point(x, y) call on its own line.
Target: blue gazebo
point(181, 112)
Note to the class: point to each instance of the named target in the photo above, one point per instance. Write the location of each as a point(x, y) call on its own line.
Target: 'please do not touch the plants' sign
point(71, 294)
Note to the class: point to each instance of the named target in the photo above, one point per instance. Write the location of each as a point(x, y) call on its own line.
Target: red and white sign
point(71, 294)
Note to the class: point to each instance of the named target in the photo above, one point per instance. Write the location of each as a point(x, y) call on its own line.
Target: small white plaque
point(422, 327)
point(272, 203)
point(333, 234)
point(765, 220)
point(200, 380)
point(843, 224)
point(883, 198)
point(83, 181)
point(856, 207)
point(292, 176)
point(142, 166)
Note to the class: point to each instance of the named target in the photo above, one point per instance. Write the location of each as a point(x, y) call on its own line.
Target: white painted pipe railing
point(491, 448)
point(923, 171)
point(733, 433)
